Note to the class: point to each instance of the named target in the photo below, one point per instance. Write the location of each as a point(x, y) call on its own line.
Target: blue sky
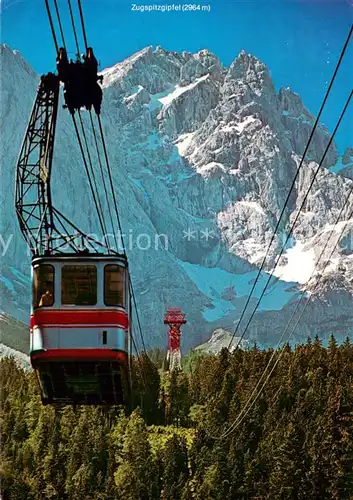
point(300, 40)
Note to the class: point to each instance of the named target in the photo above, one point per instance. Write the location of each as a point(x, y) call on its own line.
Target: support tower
point(174, 318)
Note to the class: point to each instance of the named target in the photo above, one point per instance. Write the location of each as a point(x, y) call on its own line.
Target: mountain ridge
point(197, 149)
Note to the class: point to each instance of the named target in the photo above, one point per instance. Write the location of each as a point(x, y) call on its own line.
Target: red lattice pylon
point(174, 318)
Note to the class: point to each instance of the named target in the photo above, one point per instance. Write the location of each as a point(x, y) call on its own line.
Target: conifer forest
point(191, 434)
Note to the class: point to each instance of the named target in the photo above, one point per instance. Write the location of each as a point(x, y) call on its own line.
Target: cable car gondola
point(79, 328)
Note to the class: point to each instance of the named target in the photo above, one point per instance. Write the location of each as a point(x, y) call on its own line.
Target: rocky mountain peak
point(246, 65)
point(248, 82)
point(199, 150)
point(155, 70)
point(209, 60)
point(250, 70)
point(12, 60)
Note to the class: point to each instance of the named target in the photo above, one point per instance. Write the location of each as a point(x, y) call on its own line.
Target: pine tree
point(175, 468)
point(136, 475)
point(347, 343)
point(332, 344)
point(87, 458)
point(288, 476)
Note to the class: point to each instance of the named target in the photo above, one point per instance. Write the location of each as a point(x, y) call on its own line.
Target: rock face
point(14, 333)
point(203, 158)
point(220, 339)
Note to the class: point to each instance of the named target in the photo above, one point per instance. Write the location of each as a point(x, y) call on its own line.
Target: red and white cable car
point(79, 343)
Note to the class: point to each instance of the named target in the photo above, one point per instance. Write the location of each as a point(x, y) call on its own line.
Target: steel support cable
point(60, 25)
point(137, 316)
point(74, 28)
point(52, 26)
point(226, 433)
point(103, 142)
point(291, 188)
point(322, 253)
point(119, 222)
point(88, 174)
point(138, 355)
point(243, 414)
point(83, 24)
point(62, 236)
point(94, 181)
point(87, 237)
point(130, 345)
point(111, 184)
point(296, 217)
point(103, 180)
point(247, 408)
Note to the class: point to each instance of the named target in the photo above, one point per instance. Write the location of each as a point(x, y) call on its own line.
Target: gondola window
point(79, 285)
point(114, 285)
point(43, 286)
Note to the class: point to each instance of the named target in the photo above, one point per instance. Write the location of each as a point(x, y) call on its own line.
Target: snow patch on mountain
point(154, 103)
point(183, 142)
point(238, 127)
point(133, 96)
point(211, 169)
point(179, 90)
point(224, 289)
point(297, 264)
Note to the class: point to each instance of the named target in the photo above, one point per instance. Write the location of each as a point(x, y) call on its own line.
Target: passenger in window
point(47, 297)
